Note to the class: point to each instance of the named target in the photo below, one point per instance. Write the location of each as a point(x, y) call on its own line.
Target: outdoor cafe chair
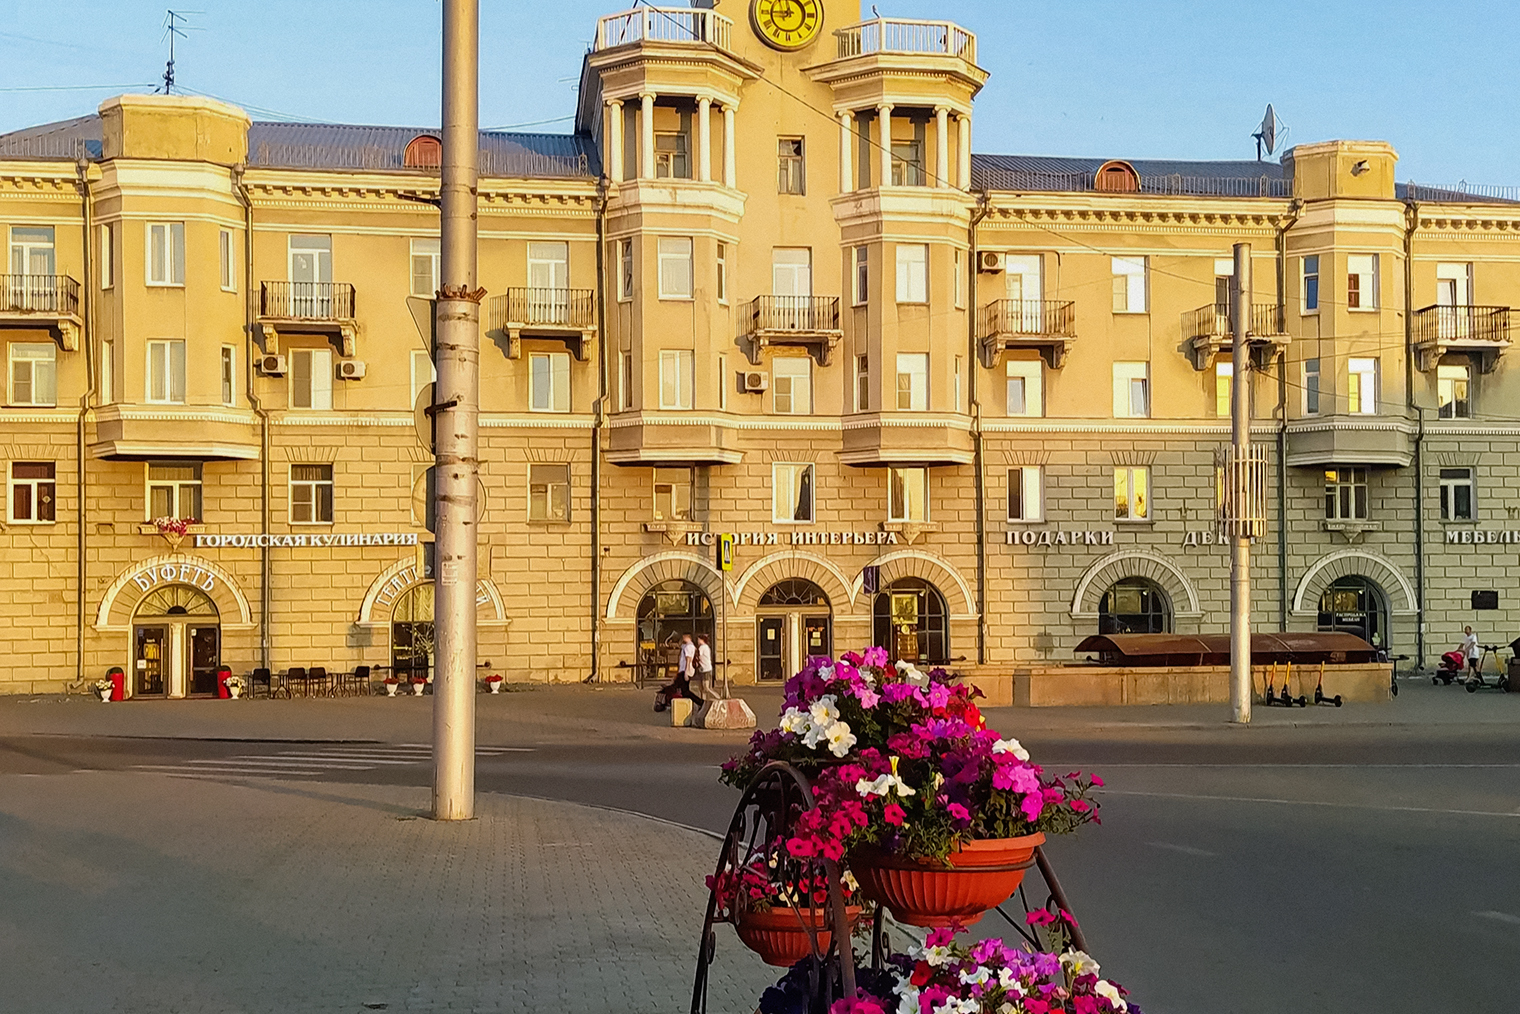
point(357, 681)
point(260, 676)
point(317, 681)
point(295, 677)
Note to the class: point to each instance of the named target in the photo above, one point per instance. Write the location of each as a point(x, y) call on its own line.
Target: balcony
point(678, 25)
point(42, 301)
point(898, 35)
point(307, 308)
point(1340, 440)
point(568, 314)
point(650, 439)
point(907, 438)
point(808, 321)
point(1481, 332)
point(1047, 325)
point(127, 432)
point(1207, 332)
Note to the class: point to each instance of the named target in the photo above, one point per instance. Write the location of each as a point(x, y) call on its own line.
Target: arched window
point(1134, 605)
point(423, 152)
point(909, 620)
point(176, 600)
point(794, 623)
point(1117, 177)
point(1355, 605)
point(667, 611)
point(795, 592)
point(412, 632)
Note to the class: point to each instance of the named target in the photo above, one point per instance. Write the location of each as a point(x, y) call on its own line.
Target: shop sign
point(1193, 540)
point(1468, 537)
point(316, 540)
point(796, 538)
point(174, 573)
point(1030, 537)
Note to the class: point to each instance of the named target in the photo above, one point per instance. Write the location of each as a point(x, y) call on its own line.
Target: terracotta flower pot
point(779, 936)
point(981, 875)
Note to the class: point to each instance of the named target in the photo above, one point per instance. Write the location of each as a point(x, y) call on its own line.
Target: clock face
point(786, 24)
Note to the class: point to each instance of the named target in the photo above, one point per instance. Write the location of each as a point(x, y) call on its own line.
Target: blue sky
point(1130, 79)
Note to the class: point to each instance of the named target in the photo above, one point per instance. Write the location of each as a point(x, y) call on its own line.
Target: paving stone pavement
point(140, 892)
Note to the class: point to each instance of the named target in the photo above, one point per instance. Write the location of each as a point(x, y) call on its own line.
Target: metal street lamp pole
point(457, 402)
point(1239, 485)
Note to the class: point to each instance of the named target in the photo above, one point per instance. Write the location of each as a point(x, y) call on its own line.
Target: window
point(1453, 384)
point(311, 379)
point(675, 378)
point(957, 381)
point(33, 492)
point(958, 285)
point(912, 381)
point(228, 270)
point(723, 381)
point(1025, 494)
point(672, 494)
point(1457, 494)
point(1224, 383)
point(862, 384)
point(427, 268)
point(549, 381)
point(229, 375)
point(423, 372)
point(1132, 494)
point(32, 251)
point(166, 253)
point(1346, 494)
point(1132, 395)
point(792, 385)
point(722, 267)
point(862, 275)
point(672, 159)
point(1361, 282)
point(1129, 284)
point(625, 270)
point(174, 490)
point(908, 494)
point(625, 373)
point(1310, 293)
point(1026, 395)
point(675, 267)
point(791, 493)
point(108, 255)
point(34, 376)
point(311, 494)
point(548, 492)
point(789, 166)
point(912, 273)
point(166, 372)
point(1311, 387)
point(1134, 605)
point(107, 372)
point(310, 266)
point(908, 161)
point(1361, 386)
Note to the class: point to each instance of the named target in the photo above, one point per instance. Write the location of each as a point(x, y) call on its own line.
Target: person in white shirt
point(681, 685)
point(704, 661)
point(1469, 648)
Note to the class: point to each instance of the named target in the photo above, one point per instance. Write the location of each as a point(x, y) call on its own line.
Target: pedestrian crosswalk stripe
point(313, 760)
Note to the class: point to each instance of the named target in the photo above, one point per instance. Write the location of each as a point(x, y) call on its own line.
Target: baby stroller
point(1450, 668)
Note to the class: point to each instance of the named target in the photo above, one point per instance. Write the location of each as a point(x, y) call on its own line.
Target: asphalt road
point(1355, 868)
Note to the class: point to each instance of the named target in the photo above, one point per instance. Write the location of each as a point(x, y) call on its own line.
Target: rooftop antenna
point(1266, 134)
point(176, 23)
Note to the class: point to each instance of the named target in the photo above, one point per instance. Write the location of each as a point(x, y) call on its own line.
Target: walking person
point(681, 685)
point(1470, 650)
point(704, 663)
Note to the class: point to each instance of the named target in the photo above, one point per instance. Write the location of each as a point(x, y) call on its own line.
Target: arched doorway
point(412, 633)
point(667, 611)
point(793, 623)
point(1135, 605)
point(176, 643)
point(1355, 605)
point(910, 621)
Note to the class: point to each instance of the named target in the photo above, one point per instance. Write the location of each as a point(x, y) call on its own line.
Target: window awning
point(1214, 649)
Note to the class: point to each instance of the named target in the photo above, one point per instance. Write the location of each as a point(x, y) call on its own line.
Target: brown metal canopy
point(1214, 649)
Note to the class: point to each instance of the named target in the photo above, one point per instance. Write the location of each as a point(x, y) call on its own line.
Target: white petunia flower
point(795, 720)
point(840, 738)
point(976, 978)
point(1007, 1008)
point(1110, 992)
point(882, 784)
point(909, 1002)
point(1009, 981)
point(826, 673)
point(815, 733)
point(825, 710)
point(1079, 963)
point(1012, 746)
point(937, 956)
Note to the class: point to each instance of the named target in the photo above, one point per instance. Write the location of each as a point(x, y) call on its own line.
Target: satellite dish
point(1266, 134)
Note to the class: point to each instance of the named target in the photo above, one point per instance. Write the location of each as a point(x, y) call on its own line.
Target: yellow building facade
point(967, 406)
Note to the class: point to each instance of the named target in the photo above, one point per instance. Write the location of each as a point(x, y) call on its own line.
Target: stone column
point(614, 116)
point(884, 126)
point(730, 162)
point(941, 146)
point(646, 136)
point(965, 160)
point(704, 139)
point(846, 145)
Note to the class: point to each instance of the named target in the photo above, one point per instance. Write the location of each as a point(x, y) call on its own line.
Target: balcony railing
point(56, 295)
point(814, 314)
point(662, 24)
point(306, 300)
point(566, 309)
point(1213, 321)
point(898, 35)
point(1032, 317)
point(1462, 323)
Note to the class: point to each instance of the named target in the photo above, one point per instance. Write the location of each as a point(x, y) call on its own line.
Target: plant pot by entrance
point(234, 692)
point(780, 936)
point(417, 688)
point(391, 688)
point(105, 695)
point(981, 875)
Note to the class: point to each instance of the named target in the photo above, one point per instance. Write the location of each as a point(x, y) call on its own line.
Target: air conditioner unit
point(350, 369)
point(989, 260)
point(754, 381)
point(272, 366)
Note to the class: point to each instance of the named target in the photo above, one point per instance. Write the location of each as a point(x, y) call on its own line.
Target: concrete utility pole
point(457, 405)
point(1236, 487)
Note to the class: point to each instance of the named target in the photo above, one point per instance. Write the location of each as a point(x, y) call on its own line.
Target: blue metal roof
point(1221, 178)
